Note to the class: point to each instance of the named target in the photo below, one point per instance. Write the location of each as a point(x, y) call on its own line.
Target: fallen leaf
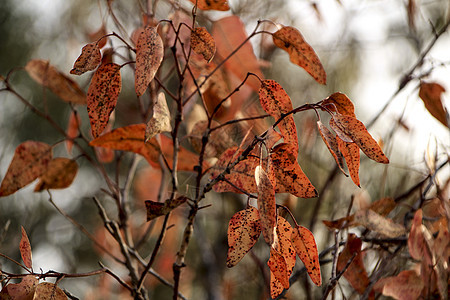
point(306, 248)
point(157, 209)
point(50, 291)
point(300, 52)
point(21, 291)
point(356, 130)
point(102, 96)
point(149, 55)
point(350, 151)
point(203, 43)
point(430, 93)
point(25, 249)
point(406, 285)
point(330, 141)
point(72, 130)
point(244, 230)
point(47, 75)
point(375, 222)
point(88, 60)
point(266, 205)
point(160, 121)
point(221, 5)
point(30, 161)
point(59, 174)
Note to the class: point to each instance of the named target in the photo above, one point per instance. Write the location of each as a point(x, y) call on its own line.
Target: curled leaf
point(88, 60)
point(59, 174)
point(306, 248)
point(244, 230)
point(157, 209)
point(430, 93)
point(47, 75)
point(160, 121)
point(266, 205)
point(203, 43)
point(102, 96)
point(149, 55)
point(339, 103)
point(25, 249)
point(30, 161)
point(300, 52)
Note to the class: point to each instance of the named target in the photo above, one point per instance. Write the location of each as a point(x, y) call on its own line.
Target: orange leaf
point(203, 43)
point(47, 75)
point(266, 205)
point(430, 93)
point(275, 101)
point(160, 121)
point(339, 103)
point(229, 33)
point(157, 209)
point(59, 174)
point(278, 268)
point(306, 248)
point(149, 55)
point(350, 151)
point(221, 5)
point(330, 141)
point(132, 138)
point(375, 222)
point(29, 162)
point(24, 290)
point(355, 274)
point(244, 230)
point(300, 52)
point(88, 60)
point(286, 249)
point(289, 174)
point(406, 285)
point(339, 132)
point(25, 249)
point(420, 240)
point(104, 155)
point(72, 130)
point(102, 96)
point(47, 290)
point(356, 130)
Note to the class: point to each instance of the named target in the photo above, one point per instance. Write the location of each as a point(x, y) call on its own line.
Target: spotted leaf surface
point(300, 52)
point(25, 249)
point(203, 43)
point(48, 290)
point(350, 151)
point(24, 290)
point(339, 103)
point(244, 230)
point(102, 96)
point(149, 55)
point(88, 60)
point(278, 269)
point(30, 161)
point(306, 248)
point(266, 205)
point(59, 174)
point(221, 5)
point(330, 141)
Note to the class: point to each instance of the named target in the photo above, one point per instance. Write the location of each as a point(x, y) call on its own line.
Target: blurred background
point(366, 47)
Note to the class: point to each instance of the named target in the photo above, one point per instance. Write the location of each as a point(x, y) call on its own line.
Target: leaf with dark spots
point(278, 268)
point(339, 103)
point(88, 60)
point(266, 205)
point(350, 151)
point(203, 43)
point(306, 248)
point(157, 209)
point(330, 141)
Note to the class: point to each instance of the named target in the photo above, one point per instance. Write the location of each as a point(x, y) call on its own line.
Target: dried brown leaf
point(218, 141)
point(406, 285)
point(49, 291)
point(300, 52)
point(339, 103)
point(160, 121)
point(350, 151)
point(21, 291)
point(72, 130)
point(266, 205)
point(203, 43)
point(157, 209)
point(306, 248)
point(430, 93)
point(25, 249)
point(330, 141)
point(278, 268)
point(375, 222)
point(420, 240)
point(88, 60)
point(59, 174)
point(29, 162)
point(221, 5)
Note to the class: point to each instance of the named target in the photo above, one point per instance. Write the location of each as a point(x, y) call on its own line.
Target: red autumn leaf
point(24, 290)
point(285, 247)
point(339, 103)
point(382, 225)
point(275, 101)
point(102, 96)
point(25, 249)
point(221, 5)
point(356, 273)
point(73, 130)
point(229, 33)
point(306, 248)
point(330, 141)
point(350, 151)
point(289, 174)
point(156, 209)
point(29, 162)
point(160, 121)
point(47, 75)
point(132, 138)
point(88, 60)
point(218, 141)
point(278, 268)
point(203, 43)
point(356, 130)
point(244, 230)
point(48, 290)
point(149, 55)
point(420, 240)
point(300, 52)
point(406, 285)
point(430, 93)
point(266, 205)
point(59, 174)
